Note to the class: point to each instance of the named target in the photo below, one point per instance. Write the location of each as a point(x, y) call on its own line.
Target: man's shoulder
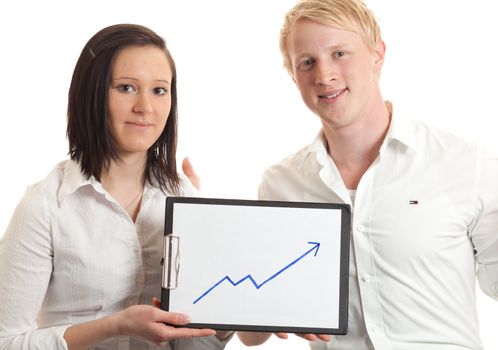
point(436, 138)
point(291, 163)
point(291, 177)
point(428, 139)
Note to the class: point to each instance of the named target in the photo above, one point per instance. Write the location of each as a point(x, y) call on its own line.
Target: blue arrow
point(316, 246)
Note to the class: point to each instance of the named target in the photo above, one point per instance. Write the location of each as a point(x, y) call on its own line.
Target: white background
point(239, 111)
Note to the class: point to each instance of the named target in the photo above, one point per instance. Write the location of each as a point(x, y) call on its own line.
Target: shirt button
point(373, 329)
point(360, 228)
point(366, 278)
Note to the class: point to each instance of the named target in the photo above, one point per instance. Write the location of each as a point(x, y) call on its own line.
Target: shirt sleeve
point(25, 269)
point(484, 233)
point(202, 343)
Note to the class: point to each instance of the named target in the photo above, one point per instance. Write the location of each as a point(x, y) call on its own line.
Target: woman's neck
point(124, 181)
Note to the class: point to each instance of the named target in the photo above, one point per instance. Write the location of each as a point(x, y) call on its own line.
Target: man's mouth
point(331, 95)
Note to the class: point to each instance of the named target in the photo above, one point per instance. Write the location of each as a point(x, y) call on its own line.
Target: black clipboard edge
point(341, 330)
point(344, 273)
point(269, 329)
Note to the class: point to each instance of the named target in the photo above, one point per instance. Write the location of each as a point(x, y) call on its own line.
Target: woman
point(80, 259)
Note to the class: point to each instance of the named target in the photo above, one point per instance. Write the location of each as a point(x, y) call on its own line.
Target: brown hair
point(90, 142)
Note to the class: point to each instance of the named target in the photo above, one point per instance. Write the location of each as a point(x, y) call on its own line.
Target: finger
point(188, 170)
point(169, 333)
point(307, 336)
point(324, 337)
point(156, 302)
point(186, 333)
point(282, 335)
point(201, 332)
point(174, 318)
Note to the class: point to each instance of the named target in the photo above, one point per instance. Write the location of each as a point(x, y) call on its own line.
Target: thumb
point(188, 170)
point(156, 302)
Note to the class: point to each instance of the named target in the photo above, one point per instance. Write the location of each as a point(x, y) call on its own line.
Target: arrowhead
point(315, 248)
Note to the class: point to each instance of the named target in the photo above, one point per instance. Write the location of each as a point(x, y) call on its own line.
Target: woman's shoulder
point(54, 179)
point(61, 179)
point(38, 198)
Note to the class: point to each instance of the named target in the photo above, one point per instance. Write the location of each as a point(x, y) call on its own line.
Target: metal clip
point(171, 260)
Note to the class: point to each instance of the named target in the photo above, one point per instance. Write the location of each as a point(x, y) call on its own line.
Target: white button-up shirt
point(425, 216)
point(71, 254)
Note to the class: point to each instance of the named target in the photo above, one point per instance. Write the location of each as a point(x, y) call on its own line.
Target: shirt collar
point(400, 130)
point(319, 148)
point(73, 179)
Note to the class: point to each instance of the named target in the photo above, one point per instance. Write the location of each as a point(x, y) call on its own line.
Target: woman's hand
point(188, 170)
point(155, 325)
point(144, 322)
point(221, 335)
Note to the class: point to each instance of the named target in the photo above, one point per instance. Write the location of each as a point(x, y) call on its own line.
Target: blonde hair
point(343, 14)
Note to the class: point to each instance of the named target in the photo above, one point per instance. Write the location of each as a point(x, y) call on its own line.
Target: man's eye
point(339, 53)
point(305, 64)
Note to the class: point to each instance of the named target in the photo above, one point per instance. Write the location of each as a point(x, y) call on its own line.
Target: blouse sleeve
point(26, 262)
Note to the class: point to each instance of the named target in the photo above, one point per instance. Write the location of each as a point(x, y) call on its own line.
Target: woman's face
point(139, 98)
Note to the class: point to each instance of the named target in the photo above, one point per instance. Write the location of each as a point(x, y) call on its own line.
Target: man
point(425, 203)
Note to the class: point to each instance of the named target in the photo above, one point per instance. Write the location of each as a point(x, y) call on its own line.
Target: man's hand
point(258, 338)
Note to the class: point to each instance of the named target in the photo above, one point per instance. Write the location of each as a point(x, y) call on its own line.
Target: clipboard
point(253, 265)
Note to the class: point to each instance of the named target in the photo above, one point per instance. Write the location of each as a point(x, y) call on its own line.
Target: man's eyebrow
point(341, 45)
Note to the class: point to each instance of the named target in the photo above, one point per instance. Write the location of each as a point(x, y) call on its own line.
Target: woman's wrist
point(113, 325)
point(84, 335)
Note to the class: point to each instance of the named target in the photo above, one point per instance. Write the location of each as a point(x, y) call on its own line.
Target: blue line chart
point(315, 247)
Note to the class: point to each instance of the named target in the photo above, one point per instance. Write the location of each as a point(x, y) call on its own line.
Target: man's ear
point(378, 55)
point(379, 52)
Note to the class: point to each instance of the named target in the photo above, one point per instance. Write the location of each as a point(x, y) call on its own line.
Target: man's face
point(335, 71)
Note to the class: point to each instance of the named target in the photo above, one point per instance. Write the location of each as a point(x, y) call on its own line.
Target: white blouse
point(72, 254)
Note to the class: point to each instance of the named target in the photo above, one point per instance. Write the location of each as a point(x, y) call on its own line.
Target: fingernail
point(186, 319)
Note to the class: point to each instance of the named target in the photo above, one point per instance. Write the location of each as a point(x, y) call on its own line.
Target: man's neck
point(355, 147)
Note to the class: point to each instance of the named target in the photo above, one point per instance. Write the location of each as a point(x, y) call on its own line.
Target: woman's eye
point(126, 88)
point(160, 91)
